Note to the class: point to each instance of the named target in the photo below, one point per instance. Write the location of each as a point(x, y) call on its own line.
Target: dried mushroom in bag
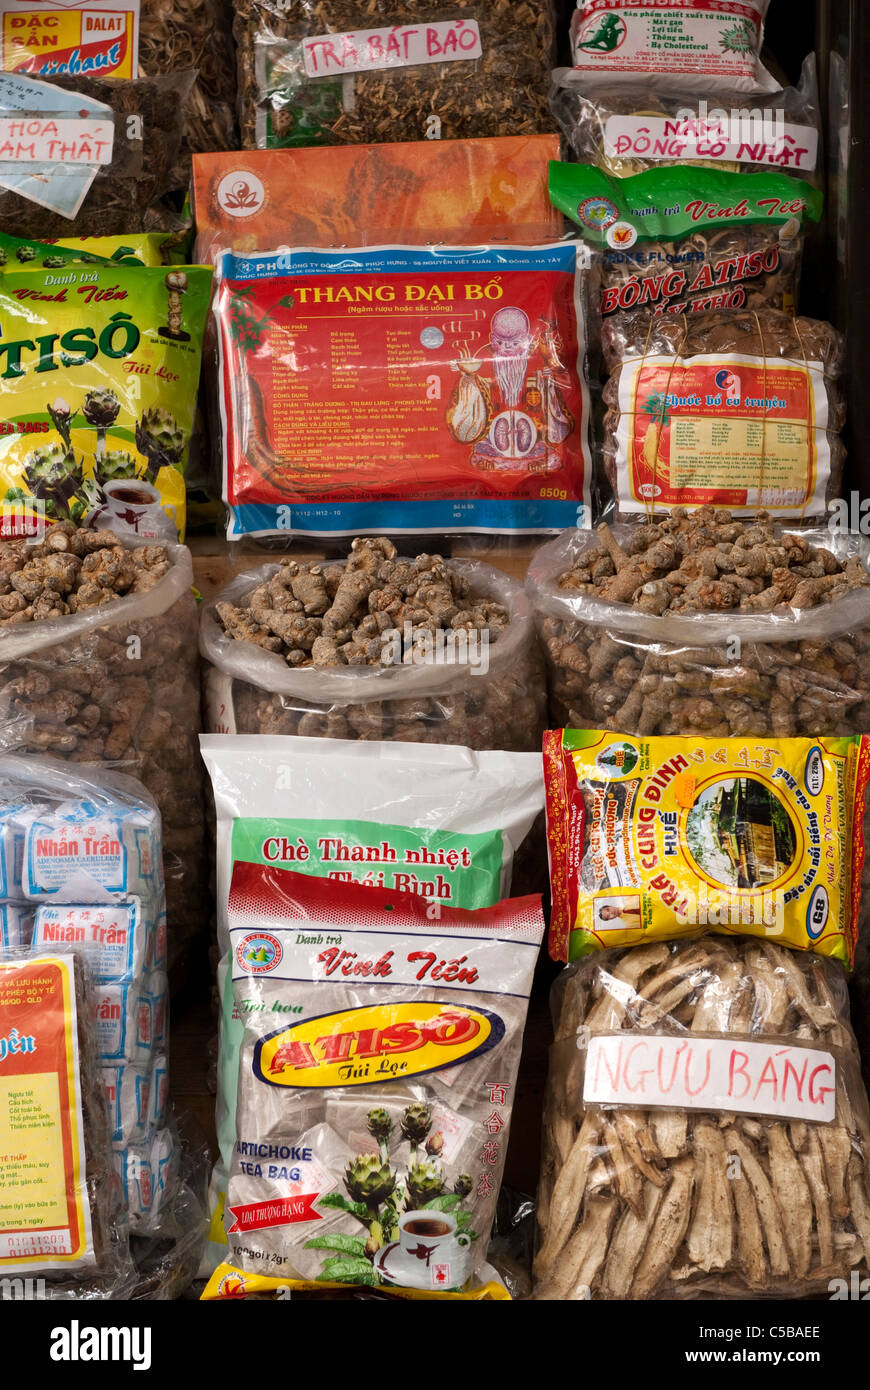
point(706, 1127)
point(626, 129)
point(369, 71)
point(146, 115)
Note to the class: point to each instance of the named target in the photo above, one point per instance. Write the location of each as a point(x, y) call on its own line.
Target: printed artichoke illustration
point(425, 1181)
point(160, 438)
point(369, 1180)
point(739, 38)
point(61, 418)
point(435, 1144)
point(26, 253)
point(463, 1185)
point(115, 463)
point(379, 1124)
point(416, 1123)
point(100, 408)
point(53, 474)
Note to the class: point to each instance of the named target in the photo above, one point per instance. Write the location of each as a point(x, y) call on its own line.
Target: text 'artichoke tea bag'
point(376, 1081)
point(99, 367)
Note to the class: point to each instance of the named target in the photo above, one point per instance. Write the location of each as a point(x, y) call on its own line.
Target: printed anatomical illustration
point(519, 417)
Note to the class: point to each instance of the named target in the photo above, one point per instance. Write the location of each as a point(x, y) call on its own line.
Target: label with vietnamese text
point(717, 1074)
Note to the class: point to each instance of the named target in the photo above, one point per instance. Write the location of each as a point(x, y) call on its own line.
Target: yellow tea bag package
point(659, 838)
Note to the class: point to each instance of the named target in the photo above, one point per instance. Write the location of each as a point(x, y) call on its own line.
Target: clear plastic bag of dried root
point(483, 691)
point(619, 664)
point(724, 409)
point(114, 682)
point(755, 1184)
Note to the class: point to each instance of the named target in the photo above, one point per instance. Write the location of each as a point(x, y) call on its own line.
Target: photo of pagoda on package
point(653, 839)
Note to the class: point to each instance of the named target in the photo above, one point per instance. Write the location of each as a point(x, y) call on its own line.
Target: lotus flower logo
point(240, 194)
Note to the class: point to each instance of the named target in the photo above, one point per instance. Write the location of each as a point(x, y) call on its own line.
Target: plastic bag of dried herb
point(178, 35)
point(130, 172)
point(326, 72)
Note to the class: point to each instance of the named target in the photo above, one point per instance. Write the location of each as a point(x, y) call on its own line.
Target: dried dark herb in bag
point(146, 115)
point(326, 72)
point(180, 35)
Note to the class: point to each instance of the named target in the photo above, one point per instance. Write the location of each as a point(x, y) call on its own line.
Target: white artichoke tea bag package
point(382, 1038)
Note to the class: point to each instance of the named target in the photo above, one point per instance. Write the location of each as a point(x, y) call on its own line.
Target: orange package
point(464, 192)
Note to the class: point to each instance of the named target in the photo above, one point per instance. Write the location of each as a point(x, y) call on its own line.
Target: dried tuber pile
point(123, 689)
point(337, 615)
point(706, 561)
point(706, 625)
point(379, 646)
point(72, 570)
point(670, 1203)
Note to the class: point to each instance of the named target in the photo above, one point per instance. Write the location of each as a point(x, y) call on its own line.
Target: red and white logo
point(240, 194)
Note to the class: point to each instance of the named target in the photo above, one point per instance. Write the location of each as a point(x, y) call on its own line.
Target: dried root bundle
point(658, 1203)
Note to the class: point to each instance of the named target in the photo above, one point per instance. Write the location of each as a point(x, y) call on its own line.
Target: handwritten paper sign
point(719, 1074)
point(398, 46)
point(56, 140)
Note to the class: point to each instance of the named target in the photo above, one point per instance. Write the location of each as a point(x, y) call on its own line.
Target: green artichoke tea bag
point(99, 367)
point(378, 1069)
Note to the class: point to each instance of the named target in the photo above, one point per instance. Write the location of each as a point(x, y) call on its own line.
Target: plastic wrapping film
point(754, 1183)
point(82, 848)
point(119, 683)
point(672, 436)
point(708, 45)
point(493, 699)
point(612, 666)
point(79, 1247)
point(147, 114)
point(351, 72)
point(625, 129)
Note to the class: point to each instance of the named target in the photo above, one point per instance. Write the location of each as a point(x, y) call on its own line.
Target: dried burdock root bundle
point(706, 1127)
point(625, 129)
point(182, 35)
point(98, 663)
point(378, 646)
point(335, 72)
point(148, 118)
point(723, 408)
point(703, 623)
